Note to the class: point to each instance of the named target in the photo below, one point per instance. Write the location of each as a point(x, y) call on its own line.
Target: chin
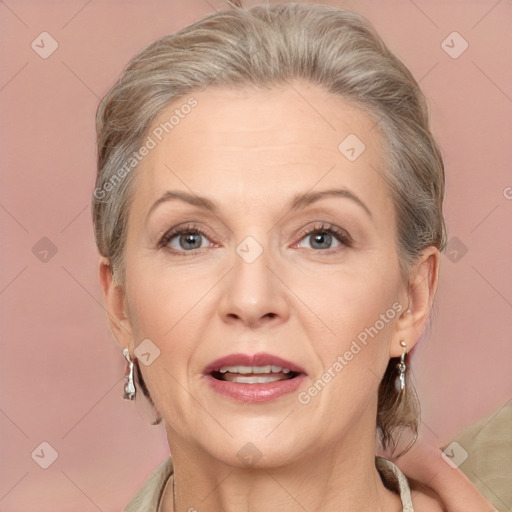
point(260, 450)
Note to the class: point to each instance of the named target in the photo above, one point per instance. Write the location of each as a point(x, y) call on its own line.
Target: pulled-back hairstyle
point(264, 47)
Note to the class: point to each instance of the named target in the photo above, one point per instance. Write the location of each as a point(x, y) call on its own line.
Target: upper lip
point(259, 359)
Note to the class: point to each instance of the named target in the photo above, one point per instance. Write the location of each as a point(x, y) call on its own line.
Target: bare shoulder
point(424, 499)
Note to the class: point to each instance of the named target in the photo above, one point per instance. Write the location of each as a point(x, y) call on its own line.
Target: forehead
point(260, 145)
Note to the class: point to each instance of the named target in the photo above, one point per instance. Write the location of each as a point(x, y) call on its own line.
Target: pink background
point(61, 370)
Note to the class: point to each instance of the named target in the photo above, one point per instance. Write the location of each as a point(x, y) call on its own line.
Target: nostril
point(266, 316)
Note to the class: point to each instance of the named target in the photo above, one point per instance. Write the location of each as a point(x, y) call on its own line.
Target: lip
point(261, 392)
point(259, 359)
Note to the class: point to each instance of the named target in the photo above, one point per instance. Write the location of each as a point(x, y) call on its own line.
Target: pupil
point(192, 239)
point(324, 240)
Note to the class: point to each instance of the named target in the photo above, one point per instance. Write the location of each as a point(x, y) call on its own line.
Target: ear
point(115, 301)
point(419, 297)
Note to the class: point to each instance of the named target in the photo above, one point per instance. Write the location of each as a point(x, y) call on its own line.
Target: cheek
point(351, 363)
point(162, 302)
point(167, 313)
point(173, 309)
point(350, 300)
point(360, 310)
point(160, 312)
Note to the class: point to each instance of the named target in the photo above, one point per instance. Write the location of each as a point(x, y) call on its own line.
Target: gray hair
point(266, 46)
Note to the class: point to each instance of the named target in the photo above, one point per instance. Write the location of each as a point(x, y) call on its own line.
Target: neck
point(336, 478)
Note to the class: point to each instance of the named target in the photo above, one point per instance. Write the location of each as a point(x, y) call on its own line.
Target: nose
point(253, 294)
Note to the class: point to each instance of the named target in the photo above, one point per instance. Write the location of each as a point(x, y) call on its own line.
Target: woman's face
point(269, 268)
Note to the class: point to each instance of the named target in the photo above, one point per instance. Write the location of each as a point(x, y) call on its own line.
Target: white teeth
point(254, 369)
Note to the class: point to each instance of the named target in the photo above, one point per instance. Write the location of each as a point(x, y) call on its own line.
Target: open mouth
point(254, 378)
point(253, 374)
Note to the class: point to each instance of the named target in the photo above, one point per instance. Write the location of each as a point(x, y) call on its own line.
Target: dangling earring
point(129, 386)
point(401, 367)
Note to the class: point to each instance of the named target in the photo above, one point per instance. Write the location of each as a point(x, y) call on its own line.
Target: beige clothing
point(148, 497)
point(485, 456)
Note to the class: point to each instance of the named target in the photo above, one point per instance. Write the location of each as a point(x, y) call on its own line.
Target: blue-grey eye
point(187, 240)
point(320, 239)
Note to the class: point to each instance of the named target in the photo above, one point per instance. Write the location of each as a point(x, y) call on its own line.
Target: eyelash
point(341, 235)
point(181, 230)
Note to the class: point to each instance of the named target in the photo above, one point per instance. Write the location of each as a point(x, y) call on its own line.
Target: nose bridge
point(252, 293)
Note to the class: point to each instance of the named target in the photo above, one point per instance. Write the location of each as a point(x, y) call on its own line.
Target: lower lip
point(263, 392)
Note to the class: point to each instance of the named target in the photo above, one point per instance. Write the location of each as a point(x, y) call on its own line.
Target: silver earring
point(129, 386)
point(401, 367)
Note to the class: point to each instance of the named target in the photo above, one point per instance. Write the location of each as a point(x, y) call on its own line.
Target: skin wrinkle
point(323, 453)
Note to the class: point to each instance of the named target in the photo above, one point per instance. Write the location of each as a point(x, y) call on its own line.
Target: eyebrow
point(298, 202)
point(302, 200)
